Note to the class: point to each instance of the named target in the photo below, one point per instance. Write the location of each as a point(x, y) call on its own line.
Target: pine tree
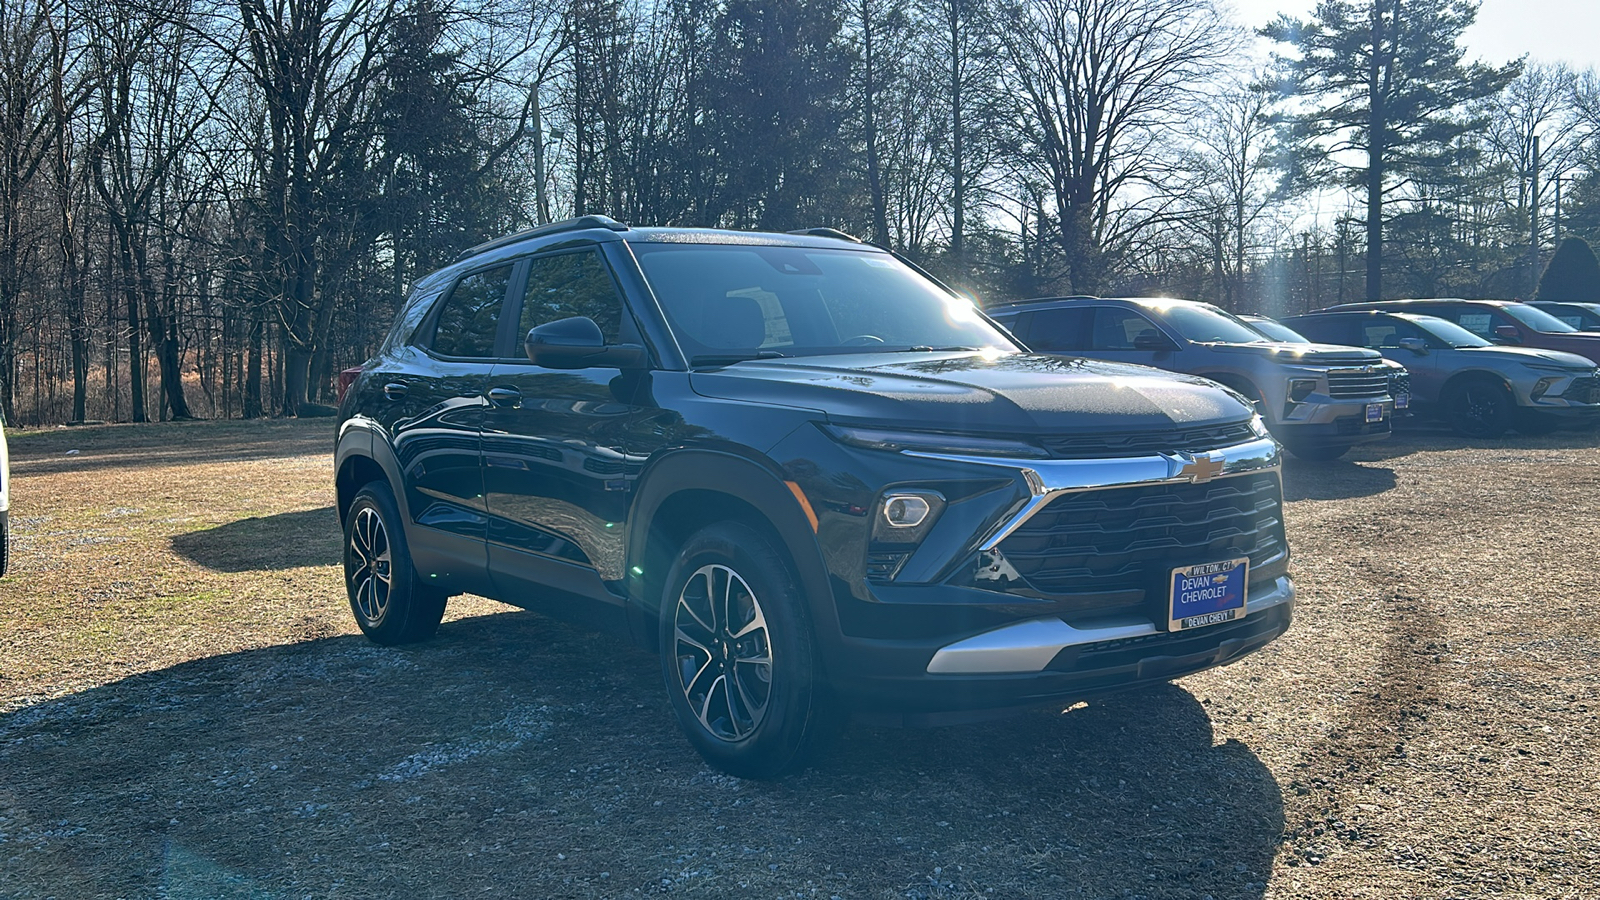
point(1383, 79)
point(1573, 274)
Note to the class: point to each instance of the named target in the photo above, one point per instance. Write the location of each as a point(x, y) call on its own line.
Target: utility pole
point(1533, 225)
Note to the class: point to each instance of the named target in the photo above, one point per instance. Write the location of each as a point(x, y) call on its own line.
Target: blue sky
point(1505, 29)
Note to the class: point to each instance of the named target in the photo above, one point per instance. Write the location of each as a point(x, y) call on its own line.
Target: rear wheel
point(391, 604)
point(738, 656)
point(1479, 408)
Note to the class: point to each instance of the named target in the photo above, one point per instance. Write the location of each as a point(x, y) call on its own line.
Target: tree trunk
point(250, 405)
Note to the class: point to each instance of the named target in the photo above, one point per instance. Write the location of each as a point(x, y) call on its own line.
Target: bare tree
point(26, 129)
point(1100, 79)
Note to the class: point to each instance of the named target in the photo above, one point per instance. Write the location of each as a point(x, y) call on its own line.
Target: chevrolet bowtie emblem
point(1201, 469)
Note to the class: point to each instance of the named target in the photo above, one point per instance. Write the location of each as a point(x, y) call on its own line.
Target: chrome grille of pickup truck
point(1349, 384)
point(1145, 443)
point(1110, 548)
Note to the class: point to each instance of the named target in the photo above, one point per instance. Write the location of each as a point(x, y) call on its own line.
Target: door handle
point(395, 390)
point(505, 396)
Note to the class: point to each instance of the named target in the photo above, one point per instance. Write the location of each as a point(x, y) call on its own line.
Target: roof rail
point(581, 223)
point(829, 233)
point(1029, 300)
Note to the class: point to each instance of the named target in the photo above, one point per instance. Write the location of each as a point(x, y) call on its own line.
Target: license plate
point(1374, 412)
point(1402, 401)
point(1208, 594)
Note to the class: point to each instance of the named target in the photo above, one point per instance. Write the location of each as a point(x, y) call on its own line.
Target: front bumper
point(1046, 662)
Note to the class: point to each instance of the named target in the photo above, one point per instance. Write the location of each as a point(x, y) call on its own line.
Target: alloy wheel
point(370, 567)
point(723, 652)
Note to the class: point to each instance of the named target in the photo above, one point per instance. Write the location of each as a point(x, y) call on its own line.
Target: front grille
point(1101, 545)
point(1400, 383)
point(1350, 384)
point(1144, 443)
point(1583, 390)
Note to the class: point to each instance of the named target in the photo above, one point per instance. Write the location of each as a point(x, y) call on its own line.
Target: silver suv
point(1318, 400)
point(1478, 388)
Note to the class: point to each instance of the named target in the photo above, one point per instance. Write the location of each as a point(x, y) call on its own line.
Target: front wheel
point(391, 604)
point(1477, 409)
point(738, 656)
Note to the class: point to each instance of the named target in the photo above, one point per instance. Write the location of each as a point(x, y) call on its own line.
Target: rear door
point(563, 448)
point(433, 408)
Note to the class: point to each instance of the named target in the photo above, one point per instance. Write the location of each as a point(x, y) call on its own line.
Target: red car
point(1499, 321)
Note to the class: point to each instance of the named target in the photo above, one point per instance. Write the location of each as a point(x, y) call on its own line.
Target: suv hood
point(1305, 354)
point(1528, 355)
point(973, 391)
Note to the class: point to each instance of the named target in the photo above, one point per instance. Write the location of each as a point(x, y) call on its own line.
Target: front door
point(563, 448)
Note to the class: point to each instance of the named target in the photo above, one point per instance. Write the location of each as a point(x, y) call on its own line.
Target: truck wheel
point(737, 654)
point(1477, 408)
point(390, 602)
point(1533, 421)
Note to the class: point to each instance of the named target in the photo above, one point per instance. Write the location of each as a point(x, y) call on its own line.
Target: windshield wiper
point(723, 359)
point(920, 348)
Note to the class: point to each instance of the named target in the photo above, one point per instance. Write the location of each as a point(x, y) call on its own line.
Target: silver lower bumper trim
point(1029, 646)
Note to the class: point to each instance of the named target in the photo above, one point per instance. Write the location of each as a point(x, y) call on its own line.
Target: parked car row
point(1319, 400)
point(1482, 366)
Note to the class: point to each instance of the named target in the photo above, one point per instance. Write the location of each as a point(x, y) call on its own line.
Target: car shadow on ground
point(1338, 479)
point(517, 756)
point(309, 537)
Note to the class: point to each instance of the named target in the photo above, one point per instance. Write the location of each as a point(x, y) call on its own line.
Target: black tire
point(1534, 421)
point(1317, 452)
point(732, 604)
point(389, 601)
point(1478, 408)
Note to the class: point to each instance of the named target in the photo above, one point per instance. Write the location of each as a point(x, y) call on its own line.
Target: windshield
point(1537, 319)
point(728, 301)
point(1452, 334)
point(1278, 331)
point(1205, 324)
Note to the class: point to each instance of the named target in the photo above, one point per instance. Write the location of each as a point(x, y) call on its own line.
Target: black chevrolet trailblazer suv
point(812, 478)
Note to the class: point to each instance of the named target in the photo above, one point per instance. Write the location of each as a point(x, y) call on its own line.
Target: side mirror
point(1508, 334)
point(1414, 344)
point(577, 343)
point(1153, 340)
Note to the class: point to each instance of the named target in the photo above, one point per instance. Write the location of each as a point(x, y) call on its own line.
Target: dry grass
point(186, 710)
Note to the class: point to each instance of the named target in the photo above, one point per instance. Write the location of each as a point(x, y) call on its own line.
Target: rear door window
point(1058, 330)
point(470, 317)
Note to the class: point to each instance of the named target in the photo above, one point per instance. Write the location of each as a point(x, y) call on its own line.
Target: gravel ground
point(186, 711)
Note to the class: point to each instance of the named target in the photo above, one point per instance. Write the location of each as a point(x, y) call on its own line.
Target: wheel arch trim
point(754, 483)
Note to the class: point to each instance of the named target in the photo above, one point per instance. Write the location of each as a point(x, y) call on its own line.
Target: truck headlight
point(1544, 385)
point(1301, 388)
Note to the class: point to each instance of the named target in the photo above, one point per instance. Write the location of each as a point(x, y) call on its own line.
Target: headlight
point(1544, 385)
point(1258, 426)
point(928, 442)
point(1301, 388)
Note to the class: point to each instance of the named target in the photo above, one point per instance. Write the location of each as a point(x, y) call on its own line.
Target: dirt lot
point(187, 711)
